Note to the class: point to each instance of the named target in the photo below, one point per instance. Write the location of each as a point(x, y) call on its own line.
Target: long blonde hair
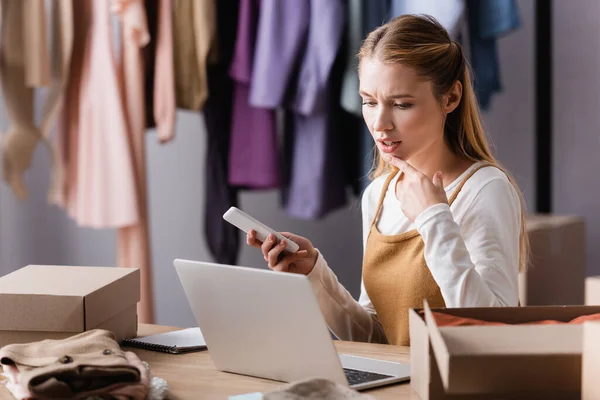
point(422, 44)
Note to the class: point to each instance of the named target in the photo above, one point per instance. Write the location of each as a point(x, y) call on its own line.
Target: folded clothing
point(315, 389)
point(85, 365)
point(443, 319)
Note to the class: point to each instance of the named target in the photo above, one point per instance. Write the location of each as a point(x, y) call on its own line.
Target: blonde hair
point(422, 44)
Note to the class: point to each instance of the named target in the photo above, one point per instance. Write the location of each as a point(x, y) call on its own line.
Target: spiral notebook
point(176, 342)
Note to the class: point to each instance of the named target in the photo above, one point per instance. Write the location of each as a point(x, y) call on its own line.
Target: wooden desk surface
point(193, 376)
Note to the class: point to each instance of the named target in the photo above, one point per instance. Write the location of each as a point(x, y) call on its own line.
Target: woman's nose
point(382, 122)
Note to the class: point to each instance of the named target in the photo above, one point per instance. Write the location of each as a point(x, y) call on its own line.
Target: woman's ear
point(452, 98)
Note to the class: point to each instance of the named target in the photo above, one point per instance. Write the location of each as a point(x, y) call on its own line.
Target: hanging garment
point(102, 134)
point(133, 241)
point(296, 46)
point(152, 10)
point(253, 161)
point(363, 17)
point(194, 35)
point(317, 183)
point(223, 239)
point(164, 107)
point(24, 65)
point(489, 20)
point(350, 99)
point(449, 13)
point(280, 41)
point(99, 189)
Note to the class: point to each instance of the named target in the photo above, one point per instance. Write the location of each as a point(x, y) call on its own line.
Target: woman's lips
point(388, 146)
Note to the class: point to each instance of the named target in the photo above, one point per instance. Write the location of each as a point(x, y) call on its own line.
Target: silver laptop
point(268, 324)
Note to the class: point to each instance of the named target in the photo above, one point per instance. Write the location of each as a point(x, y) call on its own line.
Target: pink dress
point(99, 184)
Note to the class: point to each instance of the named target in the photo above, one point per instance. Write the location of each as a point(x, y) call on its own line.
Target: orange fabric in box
point(442, 319)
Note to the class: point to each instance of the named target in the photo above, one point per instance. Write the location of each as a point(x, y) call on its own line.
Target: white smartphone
point(246, 223)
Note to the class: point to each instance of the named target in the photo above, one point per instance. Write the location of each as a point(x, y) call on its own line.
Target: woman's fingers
point(252, 240)
point(273, 254)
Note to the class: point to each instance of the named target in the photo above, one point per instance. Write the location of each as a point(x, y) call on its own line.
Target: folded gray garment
point(315, 389)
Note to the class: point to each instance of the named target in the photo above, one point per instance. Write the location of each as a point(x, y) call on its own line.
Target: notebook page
point(190, 337)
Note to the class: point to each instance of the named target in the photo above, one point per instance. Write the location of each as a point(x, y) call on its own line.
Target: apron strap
point(460, 186)
point(381, 197)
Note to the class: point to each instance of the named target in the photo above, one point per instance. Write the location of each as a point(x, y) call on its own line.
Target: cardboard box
point(498, 362)
point(590, 390)
point(53, 302)
point(558, 261)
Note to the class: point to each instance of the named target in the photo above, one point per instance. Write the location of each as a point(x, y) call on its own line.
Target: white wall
point(34, 232)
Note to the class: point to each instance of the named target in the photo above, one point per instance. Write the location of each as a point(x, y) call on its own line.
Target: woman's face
point(400, 109)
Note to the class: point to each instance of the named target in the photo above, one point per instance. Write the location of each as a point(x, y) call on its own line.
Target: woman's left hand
point(418, 192)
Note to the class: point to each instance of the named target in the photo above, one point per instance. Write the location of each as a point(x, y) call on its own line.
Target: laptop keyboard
point(356, 377)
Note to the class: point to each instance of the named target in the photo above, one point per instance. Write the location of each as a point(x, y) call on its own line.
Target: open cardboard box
point(498, 362)
point(53, 302)
point(590, 389)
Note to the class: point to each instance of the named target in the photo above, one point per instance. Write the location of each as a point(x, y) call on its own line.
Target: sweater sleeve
point(347, 318)
point(475, 264)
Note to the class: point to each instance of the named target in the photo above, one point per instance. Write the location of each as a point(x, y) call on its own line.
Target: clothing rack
point(543, 105)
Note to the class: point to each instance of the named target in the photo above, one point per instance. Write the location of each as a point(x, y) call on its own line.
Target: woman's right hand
point(300, 262)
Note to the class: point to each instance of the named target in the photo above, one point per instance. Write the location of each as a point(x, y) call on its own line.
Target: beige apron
point(396, 276)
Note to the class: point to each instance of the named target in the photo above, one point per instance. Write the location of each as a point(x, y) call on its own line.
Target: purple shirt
point(282, 29)
point(253, 160)
point(326, 27)
point(317, 181)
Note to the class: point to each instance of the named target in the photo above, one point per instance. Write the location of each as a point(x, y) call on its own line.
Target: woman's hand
point(418, 192)
point(300, 262)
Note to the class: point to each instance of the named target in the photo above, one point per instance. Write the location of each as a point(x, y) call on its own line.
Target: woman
point(442, 221)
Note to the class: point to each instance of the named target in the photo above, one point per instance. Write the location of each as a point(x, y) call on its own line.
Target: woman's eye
point(368, 103)
point(403, 106)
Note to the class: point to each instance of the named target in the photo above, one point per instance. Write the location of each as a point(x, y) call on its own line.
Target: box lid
point(65, 298)
point(537, 222)
point(483, 359)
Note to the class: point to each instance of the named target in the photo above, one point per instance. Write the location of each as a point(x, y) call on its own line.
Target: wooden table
point(193, 376)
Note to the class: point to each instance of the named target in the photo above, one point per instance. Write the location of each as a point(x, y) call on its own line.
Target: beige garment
point(164, 74)
point(396, 275)
point(12, 383)
point(315, 389)
point(194, 35)
point(87, 364)
point(133, 242)
point(23, 66)
point(136, 390)
point(35, 48)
